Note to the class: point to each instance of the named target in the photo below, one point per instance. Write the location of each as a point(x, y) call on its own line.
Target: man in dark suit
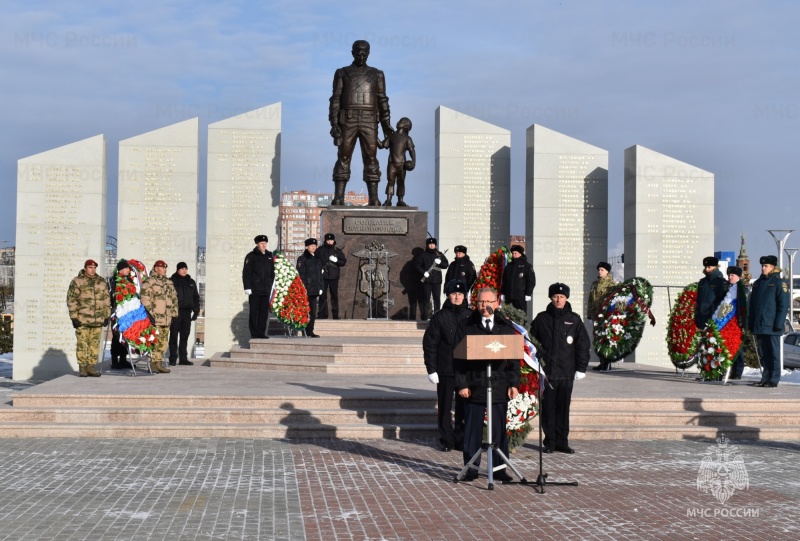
point(471, 384)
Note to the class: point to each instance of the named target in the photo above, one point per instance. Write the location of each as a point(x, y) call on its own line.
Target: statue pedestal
point(367, 235)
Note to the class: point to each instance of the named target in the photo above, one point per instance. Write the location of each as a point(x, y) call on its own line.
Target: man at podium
point(471, 383)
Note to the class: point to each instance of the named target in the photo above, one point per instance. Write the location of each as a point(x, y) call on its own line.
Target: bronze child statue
point(398, 143)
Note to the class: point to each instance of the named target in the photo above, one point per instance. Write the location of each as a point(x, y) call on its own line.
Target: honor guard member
point(333, 259)
point(597, 294)
point(357, 104)
point(258, 274)
point(769, 303)
point(461, 268)
point(735, 280)
point(309, 266)
point(89, 305)
point(437, 345)
point(430, 264)
point(711, 290)
point(518, 279)
point(119, 347)
point(188, 310)
point(565, 348)
point(471, 383)
point(161, 302)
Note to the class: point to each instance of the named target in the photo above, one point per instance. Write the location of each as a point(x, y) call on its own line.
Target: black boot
point(372, 192)
point(115, 363)
point(123, 363)
point(338, 195)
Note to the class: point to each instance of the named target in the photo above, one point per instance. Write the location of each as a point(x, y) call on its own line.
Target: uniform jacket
point(518, 279)
point(462, 269)
point(88, 300)
point(423, 262)
point(358, 88)
point(332, 270)
point(472, 374)
point(564, 340)
point(186, 289)
point(309, 266)
point(600, 288)
point(439, 339)
point(258, 272)
point(159, 299)
point(711, 289)
point(769, 303)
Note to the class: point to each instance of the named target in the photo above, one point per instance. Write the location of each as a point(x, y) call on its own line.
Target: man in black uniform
point(333, 259)
point(518, 279)
point(471, 383)
point(565, 348)
point(461, 268)
point(438, 344)
point(358, 102)
point(711, 289)
point(429, 264)
point(188, 310)
point(309, 266)
point(258, 274)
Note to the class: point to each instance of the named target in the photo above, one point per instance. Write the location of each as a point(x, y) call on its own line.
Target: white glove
point(248, 292)
point(434, 378)
point(334, 258)
point(438, 261)
point(527, 298)
point(579, 375)
point(426, 274)
point(502, 298)
point(320, 292)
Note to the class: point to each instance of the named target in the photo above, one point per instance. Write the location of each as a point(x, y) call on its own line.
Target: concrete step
point(360, 327)
point(382, 356)
point(332, 364)
point(611, 406)
point(649, 432)
point(352, 346)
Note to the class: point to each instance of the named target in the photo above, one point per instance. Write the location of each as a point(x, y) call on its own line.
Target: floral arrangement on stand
point(491, 273)
point(619, 326)
point(682, 335)
point(720, 340)
point(132, 320)
point(289, 300)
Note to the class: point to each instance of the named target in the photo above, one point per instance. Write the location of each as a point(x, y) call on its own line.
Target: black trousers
point(333, 286)
point(738, 364)
point(427, 291)
point(520, 304)
point(118, 350)
point(180, 326)
point(473, 430)
point(450, 435)
point(555, 412)
point(312, 316)
point(259, 315)
point(769, 351)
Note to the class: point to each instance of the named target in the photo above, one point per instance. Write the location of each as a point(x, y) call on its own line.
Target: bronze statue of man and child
point(358, 104)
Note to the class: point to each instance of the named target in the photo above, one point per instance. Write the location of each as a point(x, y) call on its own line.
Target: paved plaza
point(204, 489)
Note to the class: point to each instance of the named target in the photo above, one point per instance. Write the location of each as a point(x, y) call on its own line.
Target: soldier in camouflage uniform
point(600, 288)
point(89, 307)
point(160, 300)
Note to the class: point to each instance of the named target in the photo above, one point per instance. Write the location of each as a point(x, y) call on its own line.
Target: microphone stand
point(541, 479)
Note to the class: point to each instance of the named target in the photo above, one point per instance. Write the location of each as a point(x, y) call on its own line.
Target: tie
point(487, 325)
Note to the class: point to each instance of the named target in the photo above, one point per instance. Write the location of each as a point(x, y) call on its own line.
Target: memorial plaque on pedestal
point(380, 245)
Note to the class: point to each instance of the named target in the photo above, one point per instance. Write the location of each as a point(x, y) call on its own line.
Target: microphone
point(489, 310)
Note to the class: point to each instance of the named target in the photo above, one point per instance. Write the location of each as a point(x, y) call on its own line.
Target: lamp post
point(780, 236)
point(791, 252)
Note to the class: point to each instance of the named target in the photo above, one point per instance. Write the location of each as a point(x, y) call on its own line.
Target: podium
point(482, 348)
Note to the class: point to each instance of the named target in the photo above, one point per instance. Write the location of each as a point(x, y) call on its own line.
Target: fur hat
point(261, 238)
point(123, 264)
point(460, 248)
point(330, 236)
point(517, 248)
point(710, 261)
point(733, 269)
point(455, 286)
point(431, 240)
point(311, 241)
point(558, 289)
point(604, 265)
point(769, 260)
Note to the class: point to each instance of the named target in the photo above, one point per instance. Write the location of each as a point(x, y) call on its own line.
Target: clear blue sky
point(713, 83)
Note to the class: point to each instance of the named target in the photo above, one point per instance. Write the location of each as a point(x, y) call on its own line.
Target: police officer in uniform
point(430, 264)
point(258, 273)
point(769, 303)
point(711, 289)
point(461, 268)
point(333, 260)
point(309, 267)
point(358, 102)
point(518, 279)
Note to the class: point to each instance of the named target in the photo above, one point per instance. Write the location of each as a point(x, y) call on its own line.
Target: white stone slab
point(566, 208)
point(61, 222)
point(473, 179)
point(243, 200)
point(669, 229)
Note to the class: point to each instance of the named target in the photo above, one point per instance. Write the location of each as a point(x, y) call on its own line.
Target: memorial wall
point(669, 229)
point(61, 222)
point(473, 184)
point(566, 213)
point(243, 200)
point(158, 196)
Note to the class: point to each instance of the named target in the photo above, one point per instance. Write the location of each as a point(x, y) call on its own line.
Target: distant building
point(299, 218)
point(743, 262)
